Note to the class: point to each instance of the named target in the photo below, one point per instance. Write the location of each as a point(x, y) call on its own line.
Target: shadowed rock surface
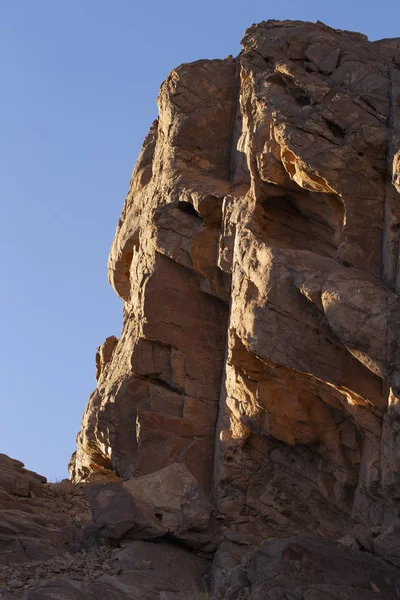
point(247, 420)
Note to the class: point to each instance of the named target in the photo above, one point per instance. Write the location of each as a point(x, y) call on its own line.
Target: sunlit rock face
point(257, 259)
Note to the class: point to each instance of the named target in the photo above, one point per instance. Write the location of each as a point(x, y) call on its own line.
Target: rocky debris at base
point(55, 550)
point(80, 566)
point(137, 570)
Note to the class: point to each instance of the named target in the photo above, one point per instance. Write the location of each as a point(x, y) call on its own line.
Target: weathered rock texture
point(257, 258)
point(50, 549)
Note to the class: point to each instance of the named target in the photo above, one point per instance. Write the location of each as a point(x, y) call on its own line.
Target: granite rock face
point(257, 260)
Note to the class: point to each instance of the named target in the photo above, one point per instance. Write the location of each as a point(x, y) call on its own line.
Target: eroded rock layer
point(257, 258)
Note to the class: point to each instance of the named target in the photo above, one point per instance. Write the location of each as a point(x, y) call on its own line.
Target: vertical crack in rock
point(257, 258)
point(157, 398)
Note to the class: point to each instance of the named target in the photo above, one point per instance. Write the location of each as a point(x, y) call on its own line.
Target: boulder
point(176, 498)
point(169, 501)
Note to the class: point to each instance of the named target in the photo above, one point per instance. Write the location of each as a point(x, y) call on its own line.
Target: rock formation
point(51, 550)
point(250, 409)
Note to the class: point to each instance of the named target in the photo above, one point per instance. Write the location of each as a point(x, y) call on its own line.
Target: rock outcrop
point(259, 366)
point(51, 549)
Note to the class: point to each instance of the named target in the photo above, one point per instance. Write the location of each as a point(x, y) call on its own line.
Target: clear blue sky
point(79, 79)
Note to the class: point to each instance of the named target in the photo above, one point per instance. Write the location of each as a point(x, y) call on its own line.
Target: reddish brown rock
point(257, 259)
point(256, 256)
point(38, 521)
point(50, 548)
point(312, 568)
point(15, 480)
point(168, 502)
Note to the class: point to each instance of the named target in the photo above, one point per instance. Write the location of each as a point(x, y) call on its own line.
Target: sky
point(79, 81)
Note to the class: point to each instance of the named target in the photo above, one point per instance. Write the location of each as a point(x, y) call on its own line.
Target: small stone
point(15, 584)
point(364, 536)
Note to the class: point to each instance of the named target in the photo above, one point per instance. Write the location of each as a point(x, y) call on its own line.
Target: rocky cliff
point(249, 411)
